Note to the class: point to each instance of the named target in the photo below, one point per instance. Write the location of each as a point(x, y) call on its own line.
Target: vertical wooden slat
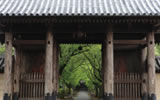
point(21, 85)
point(29, 85)
point(25, 93)
point(42, 84)
point(42, 88)
point(128, 87)
point(115, 85)
point(136, 78)
point(139, 86)
point(120, 85)
point(117, 88)
point(34, 85)
point(24, 86)
point(132, 86)
point(125, 85)
point(39, 87)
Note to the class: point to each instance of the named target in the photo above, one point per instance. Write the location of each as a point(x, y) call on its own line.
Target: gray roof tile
point(80, 7)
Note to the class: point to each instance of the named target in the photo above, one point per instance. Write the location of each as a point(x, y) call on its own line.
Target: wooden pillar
point(144, 74)
point(49, 95)
point(8, 67)
point(108, 67)
point(16, 73)
point(151, 66)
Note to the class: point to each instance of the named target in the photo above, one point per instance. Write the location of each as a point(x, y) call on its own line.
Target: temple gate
point(127, 30)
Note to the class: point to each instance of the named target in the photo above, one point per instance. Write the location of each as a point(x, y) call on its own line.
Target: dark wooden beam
point(130, 42)
point(116, 42)
point(85, 27)
point(30, 42)
point(128, 47)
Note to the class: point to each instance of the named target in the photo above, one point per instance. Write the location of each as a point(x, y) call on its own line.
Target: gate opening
point(80, 71)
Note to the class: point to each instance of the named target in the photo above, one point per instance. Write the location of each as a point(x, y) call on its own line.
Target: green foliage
point(2, 49)
point(80, 62)
point(94, 59)
point(157, 49)
point(71, 62)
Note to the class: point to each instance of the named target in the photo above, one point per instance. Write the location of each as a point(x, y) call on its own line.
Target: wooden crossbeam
point(42, 42)
point(31, 42)
point(130, 42)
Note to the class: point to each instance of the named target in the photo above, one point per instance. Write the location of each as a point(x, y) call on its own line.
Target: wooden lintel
point(42, 42)
point(128, 47)
point(30, 42)
point(130, 42)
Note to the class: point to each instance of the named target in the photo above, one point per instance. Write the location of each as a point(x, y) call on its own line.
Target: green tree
point(94, 72)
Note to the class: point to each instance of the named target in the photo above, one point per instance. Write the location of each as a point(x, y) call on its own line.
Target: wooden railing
point(127, 86)
point(32, 86)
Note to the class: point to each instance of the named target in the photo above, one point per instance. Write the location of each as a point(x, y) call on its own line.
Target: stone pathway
point(82, 95)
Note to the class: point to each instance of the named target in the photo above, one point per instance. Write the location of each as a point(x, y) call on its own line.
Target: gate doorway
point(127, 76)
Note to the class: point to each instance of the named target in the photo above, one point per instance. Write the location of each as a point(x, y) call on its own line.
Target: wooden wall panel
point(127, 61)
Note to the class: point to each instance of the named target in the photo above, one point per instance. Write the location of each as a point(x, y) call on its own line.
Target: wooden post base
point(108, 96)
point(15, 96)
point(152, 97)
point(50, 96)
point(6, 97)
point(145, 96)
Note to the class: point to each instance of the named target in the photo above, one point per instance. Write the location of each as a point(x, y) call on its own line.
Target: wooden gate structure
point(127, 30)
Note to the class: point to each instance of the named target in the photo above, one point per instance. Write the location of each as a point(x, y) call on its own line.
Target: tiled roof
point(79, 7)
